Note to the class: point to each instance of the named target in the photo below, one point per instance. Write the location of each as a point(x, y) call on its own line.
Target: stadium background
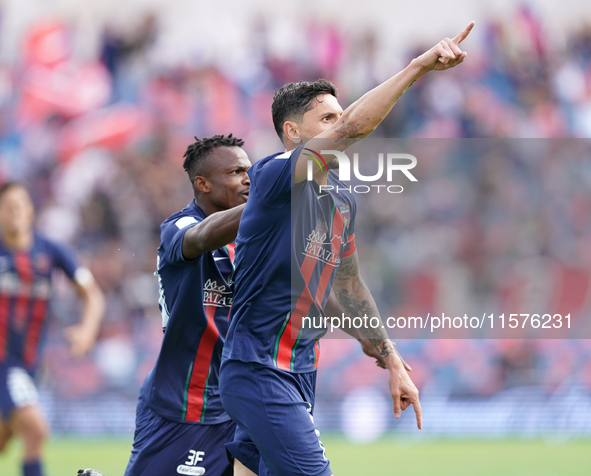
point(98, 102)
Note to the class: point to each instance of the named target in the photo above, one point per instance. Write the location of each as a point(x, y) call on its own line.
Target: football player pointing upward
point(295, 244)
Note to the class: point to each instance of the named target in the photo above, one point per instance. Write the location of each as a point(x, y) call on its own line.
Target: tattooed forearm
point(347, 132)
point(361, 304)
point(356, 299)
point(348, 268)
point(353, 305)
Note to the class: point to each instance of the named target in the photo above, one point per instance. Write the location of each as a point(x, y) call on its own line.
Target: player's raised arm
point(363, 116)
point(354, 296)
point(216, 231)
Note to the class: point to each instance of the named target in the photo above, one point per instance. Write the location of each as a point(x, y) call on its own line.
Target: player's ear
point(291, 132)
point(202, 184)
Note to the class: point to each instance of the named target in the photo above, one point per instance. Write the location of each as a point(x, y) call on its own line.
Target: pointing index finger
point(462, 36)
point(419, 413)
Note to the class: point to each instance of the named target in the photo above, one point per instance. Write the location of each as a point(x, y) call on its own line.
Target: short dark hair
point(293, 100)
point(201, 148)
point(6, 186)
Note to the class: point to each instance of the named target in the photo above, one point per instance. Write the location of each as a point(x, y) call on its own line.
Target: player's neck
point(321, 177)
point(17, 240)
point(207, 207)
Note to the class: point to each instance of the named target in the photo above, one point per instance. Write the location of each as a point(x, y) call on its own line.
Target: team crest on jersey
point(346, 214)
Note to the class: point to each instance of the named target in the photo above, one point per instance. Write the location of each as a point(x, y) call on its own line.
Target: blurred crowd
point(492, 226)
point(100, 144)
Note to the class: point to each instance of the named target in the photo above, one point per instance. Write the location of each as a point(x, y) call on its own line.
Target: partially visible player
point(296, 243)
point(181, 427)
point(27, 262)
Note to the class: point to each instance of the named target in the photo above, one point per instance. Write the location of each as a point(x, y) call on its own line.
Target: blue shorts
point(273, 410)
point(17, 389)
point(162, 447)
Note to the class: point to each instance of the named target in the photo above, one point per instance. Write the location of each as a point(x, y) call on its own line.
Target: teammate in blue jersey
point(181, 427)
point(296, 243)
point(27, 262)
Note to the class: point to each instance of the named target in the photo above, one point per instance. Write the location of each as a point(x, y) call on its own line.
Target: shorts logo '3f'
point(190, 466)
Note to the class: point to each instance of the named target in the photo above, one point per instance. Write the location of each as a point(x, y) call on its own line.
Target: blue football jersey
point(195, 300)
point(290, 242)
point(25, 291)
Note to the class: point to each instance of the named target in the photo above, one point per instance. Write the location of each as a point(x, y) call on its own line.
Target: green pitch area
point(427, 458)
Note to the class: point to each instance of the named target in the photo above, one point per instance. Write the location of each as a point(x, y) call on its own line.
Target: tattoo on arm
point(348, 268)
point(402, 93)
point(347, 132)
point(355, 298)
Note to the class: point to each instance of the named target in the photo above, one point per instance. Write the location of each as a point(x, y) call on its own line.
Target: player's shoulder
point(43, 240)
point(278, 159)
point(48, 252)
point(277, 156)
point(189, 215)
point(43, 243)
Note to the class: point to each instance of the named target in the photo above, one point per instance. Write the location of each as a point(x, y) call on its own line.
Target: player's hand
point(81, 339)
point(445, 54)
point(370, 350)
point(404, 393)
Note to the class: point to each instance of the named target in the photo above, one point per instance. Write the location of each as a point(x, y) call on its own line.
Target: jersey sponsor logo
point(12, 285)
point(190, 466)
point(185, 221)
point(216, 295)
point(315, 248)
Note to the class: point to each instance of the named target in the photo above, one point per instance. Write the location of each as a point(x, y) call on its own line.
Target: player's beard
point(333, 164)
